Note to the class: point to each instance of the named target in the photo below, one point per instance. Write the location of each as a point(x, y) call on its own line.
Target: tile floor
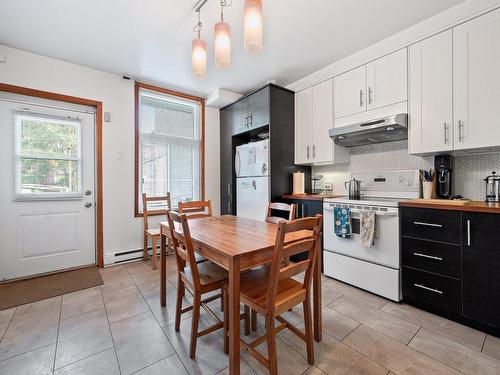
point(120, 328)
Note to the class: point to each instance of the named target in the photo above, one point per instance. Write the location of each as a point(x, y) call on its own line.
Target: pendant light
point(222, 41)
point(253, 26)
point(199, 52)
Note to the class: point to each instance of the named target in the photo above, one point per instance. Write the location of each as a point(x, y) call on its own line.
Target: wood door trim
point(198, 99)
point(98, 106)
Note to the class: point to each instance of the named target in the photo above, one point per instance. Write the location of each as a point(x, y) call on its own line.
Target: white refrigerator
point(252, 168)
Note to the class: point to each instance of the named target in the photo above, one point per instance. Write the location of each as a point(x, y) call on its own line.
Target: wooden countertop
point(472, 206)
point(311, 197)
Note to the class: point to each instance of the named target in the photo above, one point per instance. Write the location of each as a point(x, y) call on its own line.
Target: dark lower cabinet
point(452, 267)
point(481, 267)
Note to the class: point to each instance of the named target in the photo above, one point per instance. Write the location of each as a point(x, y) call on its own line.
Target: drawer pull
point(429, 289)
point(428, 256)
point(428, 224)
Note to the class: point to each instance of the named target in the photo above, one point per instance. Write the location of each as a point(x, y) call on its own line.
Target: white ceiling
point(151, 39)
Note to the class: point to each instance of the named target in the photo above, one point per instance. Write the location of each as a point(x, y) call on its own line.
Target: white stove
point(375, 268)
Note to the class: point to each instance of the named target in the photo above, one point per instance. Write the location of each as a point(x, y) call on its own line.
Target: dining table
point(238, 244)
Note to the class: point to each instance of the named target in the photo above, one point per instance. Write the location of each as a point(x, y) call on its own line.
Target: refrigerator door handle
point(237, 163)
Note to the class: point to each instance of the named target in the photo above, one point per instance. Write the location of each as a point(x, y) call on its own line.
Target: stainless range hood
point(387, 129)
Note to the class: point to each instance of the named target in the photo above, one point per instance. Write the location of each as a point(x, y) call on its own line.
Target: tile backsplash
point(469, 170)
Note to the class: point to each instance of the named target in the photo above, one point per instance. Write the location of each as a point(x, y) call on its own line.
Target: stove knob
point(400, 179)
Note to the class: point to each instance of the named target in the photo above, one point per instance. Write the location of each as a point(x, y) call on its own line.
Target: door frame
point(98, 147)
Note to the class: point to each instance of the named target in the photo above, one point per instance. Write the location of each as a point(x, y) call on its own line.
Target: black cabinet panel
point(258, 108)
point(433, 290)
point(432, 256)
point(238, 116)
point(226, 163)
point(481, 268)
point(437, 225)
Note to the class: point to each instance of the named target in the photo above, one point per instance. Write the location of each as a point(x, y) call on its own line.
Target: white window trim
point(20, 196)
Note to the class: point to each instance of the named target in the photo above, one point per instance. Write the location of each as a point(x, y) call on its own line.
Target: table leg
point(234, 317)
point(318, 315)
point(163, 270)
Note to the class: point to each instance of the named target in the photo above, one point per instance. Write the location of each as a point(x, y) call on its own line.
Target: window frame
point(137, 167)
point(18, 194)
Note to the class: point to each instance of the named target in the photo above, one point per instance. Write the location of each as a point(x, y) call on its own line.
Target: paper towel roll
point(298, 183)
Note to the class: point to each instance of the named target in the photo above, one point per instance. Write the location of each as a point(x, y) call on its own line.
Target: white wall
point(121, 230)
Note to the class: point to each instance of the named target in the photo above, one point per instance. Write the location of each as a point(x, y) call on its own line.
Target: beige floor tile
point(313, 370)
point(81, 336)
point(356, 293)
point(245, 369)
point(399, 329)
point(336, 324)
point(103, 363)
point(139, 267)
point(116, 279)
point(139, 342)
point(37, 362)
point(168, 366)
point(166, 315)
point(329, 295)
point(460, 357)
point(393, 355)
point(147, 282)
point(492, 346)
point(124, 303)
point(30, 331)
point(39, 305)
point(334, 357)
point(210, 357)
point(5, 318)
point(455, 331)
point(82, 301)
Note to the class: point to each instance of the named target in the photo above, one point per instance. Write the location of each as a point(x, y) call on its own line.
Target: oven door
point(385, 250)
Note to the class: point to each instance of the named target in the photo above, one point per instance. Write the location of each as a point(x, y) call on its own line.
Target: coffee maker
point(443, 165)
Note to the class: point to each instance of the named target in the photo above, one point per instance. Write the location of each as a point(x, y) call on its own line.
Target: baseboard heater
point(124, 256)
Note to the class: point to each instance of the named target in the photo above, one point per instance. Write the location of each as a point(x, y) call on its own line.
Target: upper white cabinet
point(350, 92)
point(476, 80)
point(431, 94)
point(380, 83)
point(313, 119)
point(387, 80)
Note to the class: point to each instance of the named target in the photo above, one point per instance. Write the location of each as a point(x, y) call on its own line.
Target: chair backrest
point(183, 245)
point(164, 201)
point(196, 209)
point(290, 208)
point(282, 251)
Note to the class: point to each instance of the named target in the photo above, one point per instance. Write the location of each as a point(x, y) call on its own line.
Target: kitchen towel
point(342, 222)
point(368, 230)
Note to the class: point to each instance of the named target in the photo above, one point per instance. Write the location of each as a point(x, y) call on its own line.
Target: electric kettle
point(492, 188)
point(354, 188)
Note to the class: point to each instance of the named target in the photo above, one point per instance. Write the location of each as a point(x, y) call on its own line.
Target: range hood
point(386, 129)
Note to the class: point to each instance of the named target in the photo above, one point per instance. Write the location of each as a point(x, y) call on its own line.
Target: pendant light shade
point(199, 58)
point(253, 26)
point(222, 45)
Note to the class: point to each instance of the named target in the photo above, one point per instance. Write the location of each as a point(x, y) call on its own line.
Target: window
point(48, 157)
point(169, 145)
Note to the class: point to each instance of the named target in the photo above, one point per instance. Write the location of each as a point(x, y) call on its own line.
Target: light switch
point(107, 116)
point(2, 58)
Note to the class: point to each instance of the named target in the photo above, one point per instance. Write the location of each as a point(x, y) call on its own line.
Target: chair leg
point(153, 253)
point(308, 327)
point(271, 346)
point(145, 249)
point(178, 306)
point(226, 320)
point(247, 321)
point(194, 325)
point(170, 248)
point(222, 297)
point(254, 321)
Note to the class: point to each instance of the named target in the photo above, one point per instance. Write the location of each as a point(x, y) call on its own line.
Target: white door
point(47, 221)
point(322, 150)
point(387, 80)
point(349, 92)
point(303, 126)
point(431, 94)
point(476, 80)
point(252, 196)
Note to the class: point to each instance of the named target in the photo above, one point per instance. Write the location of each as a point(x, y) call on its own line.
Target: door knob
point(88, 192)
point(88, 204)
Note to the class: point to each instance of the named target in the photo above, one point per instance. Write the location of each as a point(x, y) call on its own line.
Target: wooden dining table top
point(234, 236)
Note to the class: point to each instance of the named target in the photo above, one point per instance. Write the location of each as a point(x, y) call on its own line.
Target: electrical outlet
point(327, 186)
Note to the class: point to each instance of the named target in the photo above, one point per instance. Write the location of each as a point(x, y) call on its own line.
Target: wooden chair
point(197, 279)
point(290, 208)
point(196, 209)
point(271, 290)
point(154, 233)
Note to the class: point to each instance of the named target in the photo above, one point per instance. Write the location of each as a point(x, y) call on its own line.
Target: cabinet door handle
point(445, 128)
point(460, 130)
point(307, 152)
point(370, 95)
point(428, 224)
point(429, 289)
point(229, 207)
point(361, 98)
point(428, 256)
point(468, 233)
point(229, 189)
point(250, 116)
point(314, 151)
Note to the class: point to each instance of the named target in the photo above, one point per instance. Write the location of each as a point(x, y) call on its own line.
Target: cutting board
point(449, 202)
